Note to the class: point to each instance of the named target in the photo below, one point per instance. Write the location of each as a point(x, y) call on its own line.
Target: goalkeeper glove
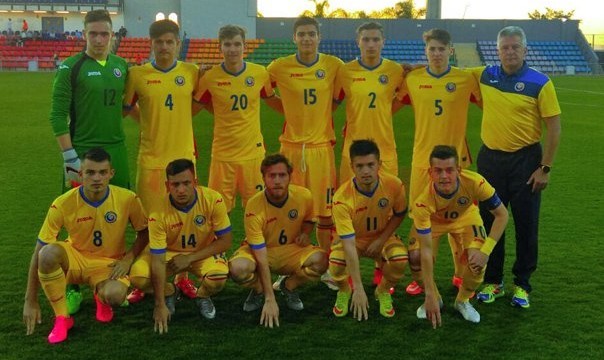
point(71, 167)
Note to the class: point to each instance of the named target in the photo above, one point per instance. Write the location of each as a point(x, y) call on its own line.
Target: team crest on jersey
point(383, 202)
point(117, 72)
point(519, 86)
point(451, 87)
point(292, 214)
point(249, 81)
point(383, 79)
point(463, 201)
point(320, 74)
point(179, 80)
point(200, 220)
point(110, 217)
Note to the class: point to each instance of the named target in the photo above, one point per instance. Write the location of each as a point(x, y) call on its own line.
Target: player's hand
point(71, 167)
point(31, 315)
point(539, 180)
point(432, 310)
point(303, 240)
point(270, 313)
point(121, 268)
point(179, 263)
point(359, 304)
point(161, 316)
point(374, 249)
point(477, 260)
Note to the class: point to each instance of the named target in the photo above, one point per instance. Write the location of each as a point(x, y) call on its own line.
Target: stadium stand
point(207, 51)
point(545, 56)
point(14, 57)
point(135, 50)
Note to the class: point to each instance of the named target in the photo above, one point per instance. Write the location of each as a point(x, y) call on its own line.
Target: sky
point(590, 12)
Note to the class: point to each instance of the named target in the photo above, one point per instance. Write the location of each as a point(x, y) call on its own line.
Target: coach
point(516, 100)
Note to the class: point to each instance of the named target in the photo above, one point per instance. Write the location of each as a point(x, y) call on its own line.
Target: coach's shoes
point(186, 287)
point(467, 311)
point(520, 298)
point(74, 300)
point(414, 288)
point(104, 312)
point(421, 310)
point(253, 301)
point(135, 296)
point(206, 308)
point(385, 300)
point(340, 309)
point(291, 296)
point(490, 292)
point(60, 329)
point(171, 303)
point(329, 281)
point(277, 283)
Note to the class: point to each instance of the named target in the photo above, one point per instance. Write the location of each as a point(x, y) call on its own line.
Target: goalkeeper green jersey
point(87, 100)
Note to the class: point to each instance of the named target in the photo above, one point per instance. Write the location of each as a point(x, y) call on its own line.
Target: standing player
point(447, 205)
point(88, 89)
point(369, 85)
point(518, 101)
point(306, 84)
point(189, 232)
point(234, 90)
point(95, 216)
point(278, 223)
point(367, 209)
point(163, 90)
point(440, 96)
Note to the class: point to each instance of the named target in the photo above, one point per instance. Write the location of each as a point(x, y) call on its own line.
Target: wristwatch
point(545, 168)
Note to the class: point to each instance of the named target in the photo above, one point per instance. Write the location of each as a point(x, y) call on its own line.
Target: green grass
point(564, 321)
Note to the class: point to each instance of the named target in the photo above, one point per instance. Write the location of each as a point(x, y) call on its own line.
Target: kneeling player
point(367, 209)
point(448, 206)
point(278, 222)
point(95, 216)
point(190, 232)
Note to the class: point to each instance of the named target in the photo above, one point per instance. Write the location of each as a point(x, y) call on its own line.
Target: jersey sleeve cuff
point(347, 236)
point(257, 246)
point(42, 242)
point(158, 251)
point(424, 231)
point(400, 213)
point(223, 231)
point(493, 202)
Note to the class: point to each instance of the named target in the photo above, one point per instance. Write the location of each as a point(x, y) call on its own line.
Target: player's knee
point(325, 222)
point(214, 282)
point(415, 260)
point(241, 270)
point(397, 257)
point(49, 257)
point(337, 270)
point(112, 292)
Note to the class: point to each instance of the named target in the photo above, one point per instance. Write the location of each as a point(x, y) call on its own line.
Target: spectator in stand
point(25, 26)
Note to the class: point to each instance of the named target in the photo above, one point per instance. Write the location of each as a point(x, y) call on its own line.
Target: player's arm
point(304, 238)
point(270, 310)
point(478, 257)
point(359, 303)
point(221, 244)
point(161, 314)
point(539, 178)
point(31, 308)
point(375, 248)
point(122, 267)
point(427, 258)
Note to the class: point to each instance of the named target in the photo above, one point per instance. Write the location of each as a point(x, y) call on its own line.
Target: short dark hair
point(306, 20)
point(96, 16)
point(439, 35)
point(274, 159)
point(97, 154)
point(160, 27)
point(364, 147)
point(229, 32)
point(444, 152)
point(372, 25)
point(179, 165)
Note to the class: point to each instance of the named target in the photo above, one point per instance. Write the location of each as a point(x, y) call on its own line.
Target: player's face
point(511, 52)
point(366, 169)
point(438, 54)
point(444, 174)
point(307, 39)
point(276, 182)
point(232, 49)
point(370, 43)
point(96, 176)
point(165, 48)
point(182, 188)
point(98, 39)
